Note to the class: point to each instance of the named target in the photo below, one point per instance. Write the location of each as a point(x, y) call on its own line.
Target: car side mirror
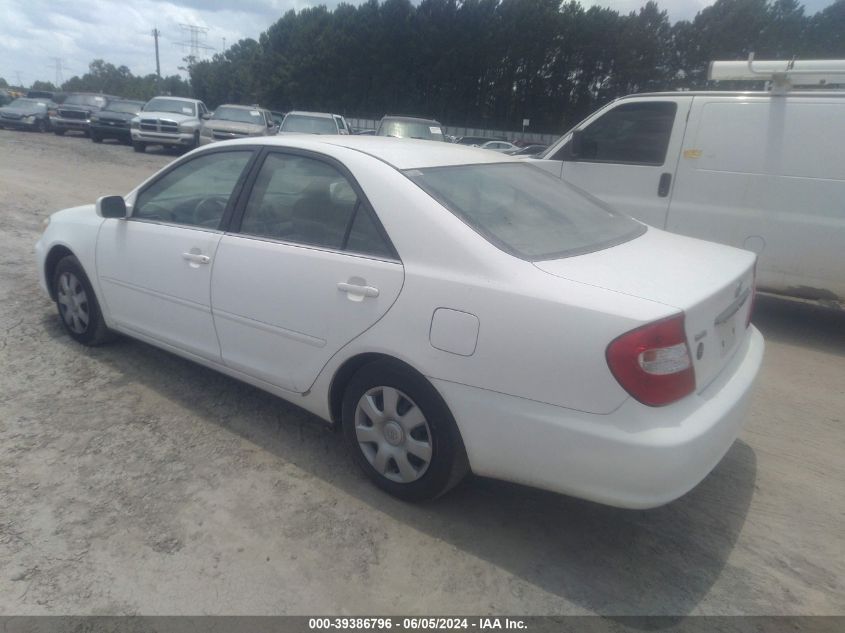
point(205, 116)
point(111, 207)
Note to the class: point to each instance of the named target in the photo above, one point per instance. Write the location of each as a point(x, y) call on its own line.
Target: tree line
point(485, 63)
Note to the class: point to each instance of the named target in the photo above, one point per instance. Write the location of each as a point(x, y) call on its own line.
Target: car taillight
point(753, 296)
point(653, 362)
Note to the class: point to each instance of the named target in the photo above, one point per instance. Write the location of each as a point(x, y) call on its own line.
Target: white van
point(763, 171)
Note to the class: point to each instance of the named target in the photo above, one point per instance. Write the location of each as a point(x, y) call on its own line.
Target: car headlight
point(93, 118)
point(188, 128)
point(45, 223)
point(29, 119)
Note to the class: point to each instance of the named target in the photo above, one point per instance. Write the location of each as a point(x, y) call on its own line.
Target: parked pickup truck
point(763, 171)
point(74, 113)
point(168, 121)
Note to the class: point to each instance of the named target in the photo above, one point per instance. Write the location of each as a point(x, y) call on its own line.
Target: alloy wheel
point(73, 303)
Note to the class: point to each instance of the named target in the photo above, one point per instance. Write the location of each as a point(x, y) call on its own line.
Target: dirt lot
point(132, 481)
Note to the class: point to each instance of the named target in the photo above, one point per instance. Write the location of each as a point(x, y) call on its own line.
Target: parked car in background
point(236, 121)
point(763, 171)
point(528, 150)
point(168, 121)
point(44, 94)
point(74, 113)
point(113, 120)
point(450, 309)
point(410, 127)
point(477, 140)
point(301, 122)
point(27, 114)
point(499, 146)
point(5, 97)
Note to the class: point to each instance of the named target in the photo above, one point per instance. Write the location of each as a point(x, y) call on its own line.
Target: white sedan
point(450, 309)
point(499, 146)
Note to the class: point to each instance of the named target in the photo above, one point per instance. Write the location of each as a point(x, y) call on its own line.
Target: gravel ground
point(134, 482)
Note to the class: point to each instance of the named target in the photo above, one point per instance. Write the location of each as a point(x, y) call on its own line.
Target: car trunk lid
point(711, 283)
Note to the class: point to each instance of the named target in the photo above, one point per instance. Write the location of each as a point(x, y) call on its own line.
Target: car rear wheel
point(139, 147)
point(401, 433)
point(96, 137)
point(78, 308)
point(59, 132)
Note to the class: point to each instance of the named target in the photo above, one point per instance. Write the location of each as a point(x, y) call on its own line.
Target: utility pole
point(57, 62)
point(156, 33)
point(196, 41)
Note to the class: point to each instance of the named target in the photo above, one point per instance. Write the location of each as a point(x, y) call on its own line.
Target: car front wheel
point(401, 433)
point(78, 307)
point(139, 147)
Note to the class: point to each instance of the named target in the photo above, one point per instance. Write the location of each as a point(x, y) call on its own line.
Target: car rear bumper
point(162, 138)
point(635, 457)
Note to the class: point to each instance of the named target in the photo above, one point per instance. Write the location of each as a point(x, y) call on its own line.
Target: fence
point(458, 131)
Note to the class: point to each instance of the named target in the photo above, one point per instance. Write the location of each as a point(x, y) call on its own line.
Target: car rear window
point(525, 211)
point(426, 130)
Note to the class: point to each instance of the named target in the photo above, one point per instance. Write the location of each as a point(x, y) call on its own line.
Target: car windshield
point(29, 104)
point(525, 211)
point(241, 115)
point(309, 124)
point(428, 130)
point(85, 100)
point(127, 107)
point(175, 106)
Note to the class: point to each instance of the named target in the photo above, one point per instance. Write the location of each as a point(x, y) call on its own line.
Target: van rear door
point(627, 155)
point(767, 174)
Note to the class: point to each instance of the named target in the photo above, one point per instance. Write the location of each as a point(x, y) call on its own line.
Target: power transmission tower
point(20, 81)
point(195, 44)
point(57, 63)
point(156, 34)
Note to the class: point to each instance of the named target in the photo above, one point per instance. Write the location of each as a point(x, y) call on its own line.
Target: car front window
point(525, 211)
point(173, 106)
point(239, 115)
point(195, 193)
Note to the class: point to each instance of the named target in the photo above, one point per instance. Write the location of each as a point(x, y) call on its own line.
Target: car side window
point(307, 201)
point(196, 193)
point(632, 133)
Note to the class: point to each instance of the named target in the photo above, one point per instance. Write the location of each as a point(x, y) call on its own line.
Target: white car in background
point(499, 146)
point(449, 308)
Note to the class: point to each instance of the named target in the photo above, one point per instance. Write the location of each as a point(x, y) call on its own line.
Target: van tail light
point(753, 296)
point(653, 362)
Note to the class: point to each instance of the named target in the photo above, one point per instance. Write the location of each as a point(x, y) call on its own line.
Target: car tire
point(78, 308)
point(40, 126)
point(96, 137)
point(59, 132)
point(401, 432)
point(139, 147)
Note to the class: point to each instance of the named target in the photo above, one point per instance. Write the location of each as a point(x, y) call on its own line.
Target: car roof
point(325, 115)
point(413, 119)
point(239, 106)
point(398, 152)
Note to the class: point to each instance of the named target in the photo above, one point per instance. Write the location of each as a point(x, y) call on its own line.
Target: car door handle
point(664, 184)
point(355, 289)
point(196, 258)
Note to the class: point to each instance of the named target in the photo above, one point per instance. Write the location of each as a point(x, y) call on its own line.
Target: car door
point(627, 156)
point(154, 267)
point(307, 269)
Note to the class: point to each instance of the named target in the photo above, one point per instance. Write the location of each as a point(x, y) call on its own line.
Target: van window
point(631, 133)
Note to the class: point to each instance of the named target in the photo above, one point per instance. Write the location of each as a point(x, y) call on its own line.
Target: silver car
point(236, 121)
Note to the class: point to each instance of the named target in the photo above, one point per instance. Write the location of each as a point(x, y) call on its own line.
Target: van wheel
point(78, 307)
point(401, 433)
point(139, 147)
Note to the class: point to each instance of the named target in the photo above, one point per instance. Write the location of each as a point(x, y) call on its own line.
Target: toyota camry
point(452, 310)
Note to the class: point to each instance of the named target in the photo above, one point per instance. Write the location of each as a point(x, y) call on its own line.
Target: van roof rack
point(783, 75)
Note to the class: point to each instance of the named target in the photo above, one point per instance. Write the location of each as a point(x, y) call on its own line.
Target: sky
point(40, 37)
